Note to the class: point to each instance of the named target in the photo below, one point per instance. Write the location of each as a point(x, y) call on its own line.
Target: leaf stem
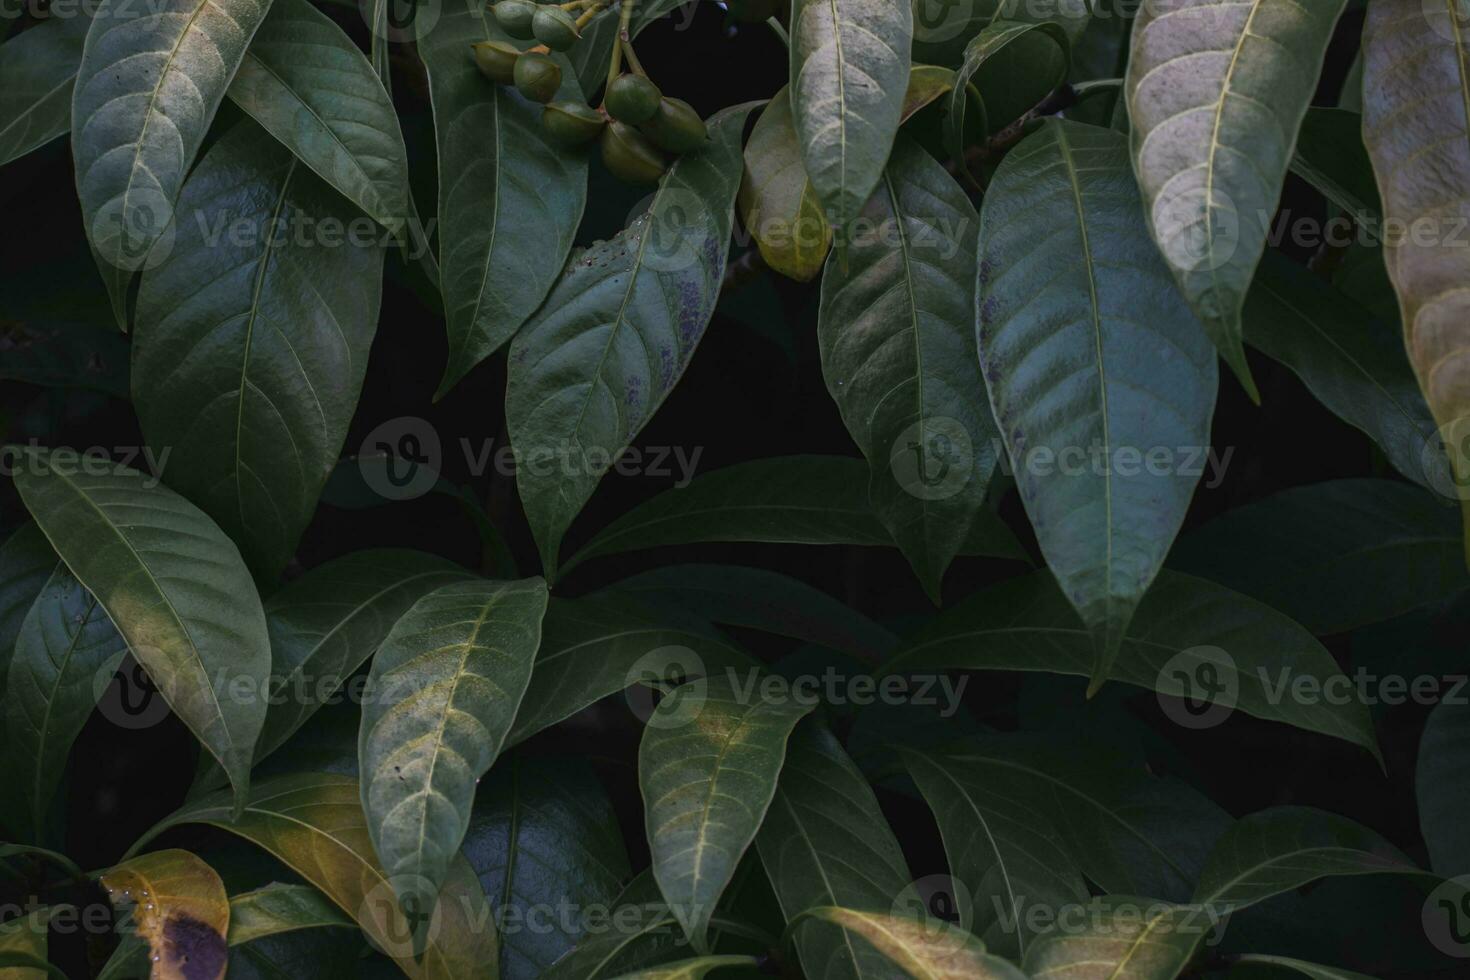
point(625, 19)
point(633, 61)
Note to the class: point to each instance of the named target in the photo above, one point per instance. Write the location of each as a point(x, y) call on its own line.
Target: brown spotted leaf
point(179, 908)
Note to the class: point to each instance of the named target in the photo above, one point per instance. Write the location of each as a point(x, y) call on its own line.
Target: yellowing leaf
point(179, 908)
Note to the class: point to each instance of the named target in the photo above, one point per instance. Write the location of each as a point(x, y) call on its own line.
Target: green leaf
point(1128, 831)
point(825, 842)
point(1283, 848)
point(1344, 553)
point(1353, 363)
point(689, 969)
point(1312, 970)
point(313, 823)
point(707, 766)
point(734, 595)
point(509, 202)
point(1415, 117)
point(849, 70)
point(178, 907)
point(326, 624)
point(596, 646)
point(1442, 782)
point(778, 204)
point(66, 648)
point(276, 909)
point(150, 81)
point(307, 84)
point(1006, 852)
point(37, 69)
point(84, 356)
point(172, 583)
point(26, 564)
point(896, 329)
point(1122, 938)
point(23, 947)
point(782, 500)
point(1216, 93)
point(446, 683)
point(646, 934)
point(252, 341)
point(1094, 365)
point(1014, 65)
point(544, 840)
point(1190, 638)
point(928, 949)
point(617, 332)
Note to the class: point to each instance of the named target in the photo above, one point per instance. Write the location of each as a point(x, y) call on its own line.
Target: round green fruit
point(515, 16)
point(496, 61)
point(537, 77)
point(555, 28)
point(632, 99)
point(629, 156)
point(676, 127)
point(572, 123)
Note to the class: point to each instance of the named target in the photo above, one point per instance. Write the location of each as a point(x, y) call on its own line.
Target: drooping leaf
point(179, 908)
point(544, 840)
point(1216, 92)
point(690, 969)
point(1007, 853)
point(849, 69)
point(37, 69)
point(616, 333)
point(313, 823)
point(1351, 361)
point(172, 583)
point(599, 645)
point(1094, 365)
point(1282, 848)
point(1122, 938)
point(1014, 64)
point(778, 205)
point(708, 766)
point(1415, 117)
point(785, 499)
point(927, 949)
point(326, 624)
point(308, 85)
point(1442, 782)
point(896, 330)
point(1344, 553)
point(445, 687)
point(509, 202)
point(1190, 638)
point(252, 340)
point(278, 908)
point(1130, 832)
point(734, 595)
point(149, 83)
point(64, 645)
point(825, 842)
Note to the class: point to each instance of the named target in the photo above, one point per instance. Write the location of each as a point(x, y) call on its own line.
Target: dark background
point(753, 390)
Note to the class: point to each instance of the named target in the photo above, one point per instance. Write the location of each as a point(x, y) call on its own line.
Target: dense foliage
point(628, 489)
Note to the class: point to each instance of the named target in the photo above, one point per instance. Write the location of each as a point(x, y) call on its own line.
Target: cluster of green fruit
point(637, 124)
